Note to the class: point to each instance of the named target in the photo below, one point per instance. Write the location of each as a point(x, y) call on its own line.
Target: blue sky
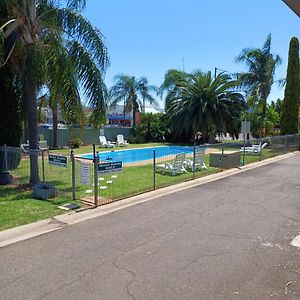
point(146, 38)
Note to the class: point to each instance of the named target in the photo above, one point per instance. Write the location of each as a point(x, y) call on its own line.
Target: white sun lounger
point(104, 143)
point(121, 141)
point(175, 168)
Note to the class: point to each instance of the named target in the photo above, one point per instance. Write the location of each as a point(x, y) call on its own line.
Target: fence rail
point(110, 175)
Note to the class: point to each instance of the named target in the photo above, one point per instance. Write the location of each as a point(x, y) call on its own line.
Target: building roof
point(293, 5)
point(153, 110)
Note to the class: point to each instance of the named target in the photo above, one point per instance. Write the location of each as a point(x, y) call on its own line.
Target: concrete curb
point(21, 233)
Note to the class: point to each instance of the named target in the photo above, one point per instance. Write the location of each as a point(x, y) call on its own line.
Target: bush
point(75, 142)
point(153, 128)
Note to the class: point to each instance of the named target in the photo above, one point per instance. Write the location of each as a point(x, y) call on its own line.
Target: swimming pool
point(140, 154)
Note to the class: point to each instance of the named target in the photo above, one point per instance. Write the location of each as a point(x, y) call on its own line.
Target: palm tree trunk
point(32, 116)
point(205, 135)
point(134, 116)
point(144, 103)
point(55, 122)
point(264, 108)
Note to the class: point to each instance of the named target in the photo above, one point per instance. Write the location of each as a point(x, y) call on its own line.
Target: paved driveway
point(227, 239)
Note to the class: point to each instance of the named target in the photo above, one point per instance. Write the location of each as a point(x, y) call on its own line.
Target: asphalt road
point(227, 239)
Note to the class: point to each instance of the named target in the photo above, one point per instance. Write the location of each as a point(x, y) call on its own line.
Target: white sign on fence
point(245, 127)
point(85, 174)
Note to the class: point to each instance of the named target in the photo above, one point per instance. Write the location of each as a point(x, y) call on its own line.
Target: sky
point(148, 37)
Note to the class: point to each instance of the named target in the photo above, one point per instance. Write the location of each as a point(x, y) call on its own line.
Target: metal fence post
point(96, 158)
point(285, 143)
point(194, 157)
point(244, 149)
point(154, 176)
point(221, 159)
point(5, 158)
point(43, 167)
point(260, 150)
point(73, 174)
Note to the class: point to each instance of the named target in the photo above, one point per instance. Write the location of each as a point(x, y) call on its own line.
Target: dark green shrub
point(75, 142)
point(153, 128)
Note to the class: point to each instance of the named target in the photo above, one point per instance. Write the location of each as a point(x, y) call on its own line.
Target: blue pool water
point(136, 155)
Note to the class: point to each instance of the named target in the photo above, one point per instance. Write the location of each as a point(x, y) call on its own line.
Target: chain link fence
point(111, 174)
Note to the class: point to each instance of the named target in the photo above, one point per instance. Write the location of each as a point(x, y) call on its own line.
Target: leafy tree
point(132, 92)
point(153, 128)
point(261, 65)
point(46, 31)
point(204, 103)
point(277, 105)
point(290, 106)
point(272, 120)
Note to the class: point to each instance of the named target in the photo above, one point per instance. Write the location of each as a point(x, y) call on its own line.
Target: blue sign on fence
point(110, 167)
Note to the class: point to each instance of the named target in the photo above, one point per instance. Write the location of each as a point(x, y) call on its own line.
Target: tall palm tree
point(10, 91)
point(133, 92)
point(172, 77)
point(146, 91)
point(37, 26)
point(206, 104)
point(62, 86)
point(261, 64)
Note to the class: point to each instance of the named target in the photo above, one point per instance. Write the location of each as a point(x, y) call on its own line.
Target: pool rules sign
point(245, 127)
point(85, 174)
point(111, 167)
point(57, 160)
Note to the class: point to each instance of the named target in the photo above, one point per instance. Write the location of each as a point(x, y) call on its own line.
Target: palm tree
point(253, 113)
point(206, 104)
point(37, 27)
point(146, 93)
point(133, 92)
point(62, 86)
point(261, 65)
point(172, 77)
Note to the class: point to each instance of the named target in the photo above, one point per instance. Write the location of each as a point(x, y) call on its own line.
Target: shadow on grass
point(24, 193)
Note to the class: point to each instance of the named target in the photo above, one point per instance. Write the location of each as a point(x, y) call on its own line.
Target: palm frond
point(91, 78)
point(84, 32)
point(77, 5)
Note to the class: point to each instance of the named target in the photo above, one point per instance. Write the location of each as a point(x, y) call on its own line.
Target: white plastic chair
point(25, 148)
point(121, 141)
point(199, 161)
point(105, 143)
point(43, 146)
point(175, 168)
point(255, 149)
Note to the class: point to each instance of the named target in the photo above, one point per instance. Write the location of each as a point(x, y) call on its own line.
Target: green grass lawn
point(17, 207)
